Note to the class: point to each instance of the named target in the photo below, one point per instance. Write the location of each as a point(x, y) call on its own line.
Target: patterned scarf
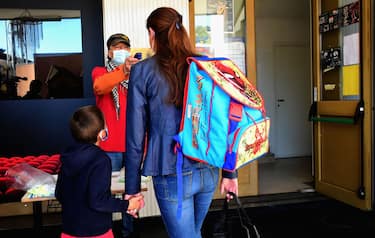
point(115, 95)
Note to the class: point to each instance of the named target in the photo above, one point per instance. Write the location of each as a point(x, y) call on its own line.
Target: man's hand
point(128, 64)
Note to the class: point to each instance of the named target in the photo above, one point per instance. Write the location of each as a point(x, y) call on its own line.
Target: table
point(117, 187)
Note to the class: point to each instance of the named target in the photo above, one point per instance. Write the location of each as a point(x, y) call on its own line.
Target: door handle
point(279, 101)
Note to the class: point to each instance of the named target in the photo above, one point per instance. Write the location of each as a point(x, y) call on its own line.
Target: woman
point(155, 98)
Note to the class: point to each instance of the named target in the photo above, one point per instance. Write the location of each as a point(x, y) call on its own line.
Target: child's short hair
point(86, 123)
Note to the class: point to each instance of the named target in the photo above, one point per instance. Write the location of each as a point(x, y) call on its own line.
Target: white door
point(293, 90)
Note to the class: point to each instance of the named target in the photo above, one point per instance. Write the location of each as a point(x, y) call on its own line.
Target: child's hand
point(127, 197)
point(135, 204)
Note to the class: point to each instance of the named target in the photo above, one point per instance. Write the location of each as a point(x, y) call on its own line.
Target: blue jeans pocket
point(166, 186)
point(211, 178)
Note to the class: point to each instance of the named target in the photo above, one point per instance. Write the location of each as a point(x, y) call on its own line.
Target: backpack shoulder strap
point(226, 74)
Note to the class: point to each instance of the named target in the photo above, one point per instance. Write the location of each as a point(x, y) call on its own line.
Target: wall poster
point(340, 17)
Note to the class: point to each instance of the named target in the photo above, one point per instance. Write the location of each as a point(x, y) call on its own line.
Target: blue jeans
point(118, 161)
point(199, 186)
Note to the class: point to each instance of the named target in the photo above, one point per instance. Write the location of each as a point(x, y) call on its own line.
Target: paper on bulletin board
point(351, 49)
point(350, 80)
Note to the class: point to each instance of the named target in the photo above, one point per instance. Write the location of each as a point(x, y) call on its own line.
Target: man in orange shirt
point(110, 85)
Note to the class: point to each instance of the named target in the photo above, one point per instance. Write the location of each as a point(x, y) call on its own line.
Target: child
point(84, 182)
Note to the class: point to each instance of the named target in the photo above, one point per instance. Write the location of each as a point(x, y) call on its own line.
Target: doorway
point(291, 170)
point(283, 42)
point(282, 51)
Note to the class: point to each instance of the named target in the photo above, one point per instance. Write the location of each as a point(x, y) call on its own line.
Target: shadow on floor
point(322, 218)
point(326, 218)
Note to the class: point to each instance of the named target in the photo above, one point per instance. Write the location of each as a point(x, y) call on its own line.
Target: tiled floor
point(285, 175)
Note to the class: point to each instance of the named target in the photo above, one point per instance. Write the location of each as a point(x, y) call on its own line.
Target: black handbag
point(234, 225)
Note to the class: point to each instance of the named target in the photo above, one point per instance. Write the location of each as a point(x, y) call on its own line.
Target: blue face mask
point(119, 56)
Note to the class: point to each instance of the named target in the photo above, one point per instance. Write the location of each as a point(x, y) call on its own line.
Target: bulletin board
point(339, 27)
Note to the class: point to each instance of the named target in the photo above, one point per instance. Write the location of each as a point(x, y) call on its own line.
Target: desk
point(117, 187)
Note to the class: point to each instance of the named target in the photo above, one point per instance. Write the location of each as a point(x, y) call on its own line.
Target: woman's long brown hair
point(172, 47)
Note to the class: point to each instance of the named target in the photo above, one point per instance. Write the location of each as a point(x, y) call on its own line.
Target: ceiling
point(10, 13)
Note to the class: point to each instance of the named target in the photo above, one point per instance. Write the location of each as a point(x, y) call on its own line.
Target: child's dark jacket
point(84, 190)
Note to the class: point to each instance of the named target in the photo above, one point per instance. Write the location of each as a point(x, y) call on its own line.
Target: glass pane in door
point(339, 28)
point(220, 29)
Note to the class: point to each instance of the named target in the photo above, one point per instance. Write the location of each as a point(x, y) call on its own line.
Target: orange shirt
point(103, 83)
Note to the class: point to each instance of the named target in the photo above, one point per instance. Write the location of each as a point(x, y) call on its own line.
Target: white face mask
point(119, 56)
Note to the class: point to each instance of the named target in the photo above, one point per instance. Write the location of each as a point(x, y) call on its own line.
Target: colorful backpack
point(224, 120)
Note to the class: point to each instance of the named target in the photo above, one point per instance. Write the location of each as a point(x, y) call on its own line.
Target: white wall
point(129, 17)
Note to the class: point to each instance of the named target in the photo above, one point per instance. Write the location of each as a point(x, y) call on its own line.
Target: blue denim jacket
point(149, 114)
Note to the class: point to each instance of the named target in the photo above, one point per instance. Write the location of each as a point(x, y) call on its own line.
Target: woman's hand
point(229, 185)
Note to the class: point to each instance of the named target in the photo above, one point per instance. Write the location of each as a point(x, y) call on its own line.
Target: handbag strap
point(244, 218)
